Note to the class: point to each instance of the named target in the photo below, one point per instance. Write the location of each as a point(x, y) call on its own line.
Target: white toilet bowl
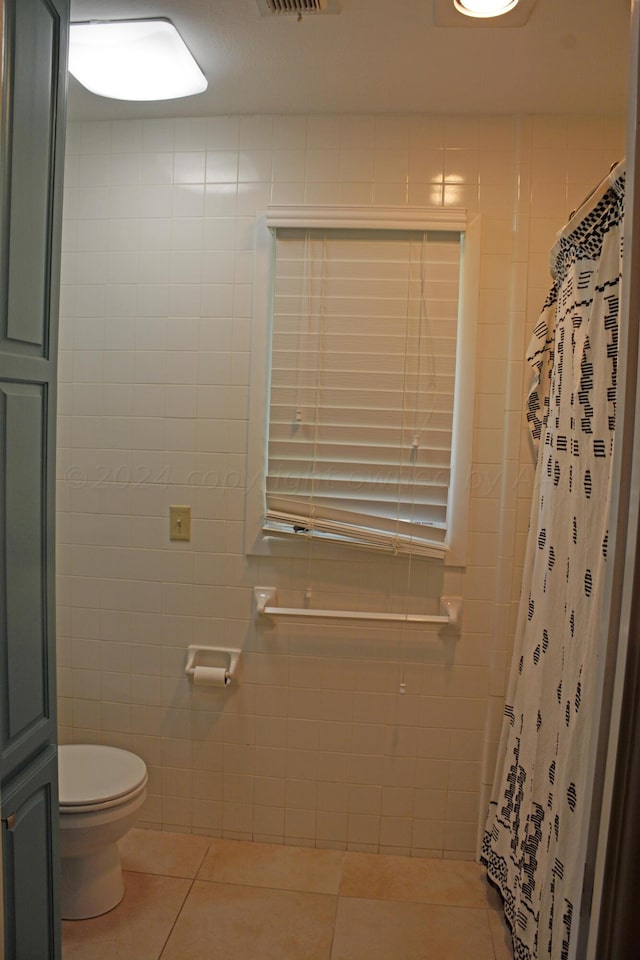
point(101, 792)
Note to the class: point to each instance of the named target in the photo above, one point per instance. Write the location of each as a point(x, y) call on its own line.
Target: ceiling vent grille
point(298, 7)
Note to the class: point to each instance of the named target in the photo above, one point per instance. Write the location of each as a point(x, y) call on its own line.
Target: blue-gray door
point(31, 157)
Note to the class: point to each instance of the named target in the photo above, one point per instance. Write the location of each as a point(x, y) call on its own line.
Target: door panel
point(30, 94)
point(31, 861)
point(25, 722)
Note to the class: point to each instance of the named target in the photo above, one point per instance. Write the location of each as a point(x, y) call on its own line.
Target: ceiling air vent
point(298, 7)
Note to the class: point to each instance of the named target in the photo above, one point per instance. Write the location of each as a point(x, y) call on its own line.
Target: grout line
point(168, 937)
point(333, 931)
point(204, 857)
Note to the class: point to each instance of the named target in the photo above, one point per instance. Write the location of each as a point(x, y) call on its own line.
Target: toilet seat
point(95, 777)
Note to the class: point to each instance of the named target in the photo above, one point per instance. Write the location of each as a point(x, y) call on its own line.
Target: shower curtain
point(535, 839)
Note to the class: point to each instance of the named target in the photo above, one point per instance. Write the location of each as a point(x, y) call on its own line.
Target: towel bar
point(266, 605)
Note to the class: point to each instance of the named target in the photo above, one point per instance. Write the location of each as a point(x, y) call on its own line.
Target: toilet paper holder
point(226, 658)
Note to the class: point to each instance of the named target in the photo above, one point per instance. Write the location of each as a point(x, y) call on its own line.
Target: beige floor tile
point(502, 942)
point(381, 930)
point(136, 929)
point(272, 865)
point(167, 854)
point(447, 882)
point(233, 922)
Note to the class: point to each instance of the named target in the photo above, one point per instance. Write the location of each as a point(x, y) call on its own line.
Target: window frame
point(259, 542)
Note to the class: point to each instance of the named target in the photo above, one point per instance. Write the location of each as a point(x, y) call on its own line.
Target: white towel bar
point(266, 605)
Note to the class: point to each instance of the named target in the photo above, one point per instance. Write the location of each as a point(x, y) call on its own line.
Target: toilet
point(101, 791)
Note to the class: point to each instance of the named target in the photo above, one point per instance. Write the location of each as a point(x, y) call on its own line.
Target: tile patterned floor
point(195, 898)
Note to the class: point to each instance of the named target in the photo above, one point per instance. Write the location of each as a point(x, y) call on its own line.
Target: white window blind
point(363, 361)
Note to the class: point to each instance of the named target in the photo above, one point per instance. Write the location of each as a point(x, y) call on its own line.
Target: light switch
point(180, 523)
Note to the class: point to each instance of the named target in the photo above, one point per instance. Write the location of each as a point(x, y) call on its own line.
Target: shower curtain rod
point(266, 605)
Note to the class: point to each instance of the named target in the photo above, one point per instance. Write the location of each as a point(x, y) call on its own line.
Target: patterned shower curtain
point(535, 839)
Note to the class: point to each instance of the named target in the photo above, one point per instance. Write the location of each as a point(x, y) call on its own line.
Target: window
point(366, 436)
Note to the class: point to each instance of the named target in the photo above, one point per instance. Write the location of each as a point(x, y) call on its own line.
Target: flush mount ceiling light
point(133, 60)
point(484, 8)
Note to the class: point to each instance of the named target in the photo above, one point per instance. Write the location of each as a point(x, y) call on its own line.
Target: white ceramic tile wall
point(317, 746)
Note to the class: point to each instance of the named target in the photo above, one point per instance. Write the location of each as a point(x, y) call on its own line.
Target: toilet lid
point(90, 774)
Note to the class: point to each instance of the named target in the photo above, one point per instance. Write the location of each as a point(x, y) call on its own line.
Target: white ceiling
point(383, 56)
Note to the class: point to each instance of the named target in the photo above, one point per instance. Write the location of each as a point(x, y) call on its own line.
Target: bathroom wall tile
point(115, 717)
point(323, 131)
point(331, 831)
point(462, 132)
point(92, 171)
point(395, 836)
point(115, 687)
point(176, 812)
point(221, 166)
point(156, 170)
point(425, 194)
point(255, 166)
point(158, 135)
point(496, 166)
point(356, 166)
point(222, 132)
point(92, 202)
point(426, 132)
point(460, 166)
point(460, 837)
point(289, 133)
point(322, 193)
point(319, 725)
point(220, 198)
point(363, 831)
point(495, 200)
point(459, 195)
point(392, 132)
point(426, 166)
point(268, 824)
point(390, 194)
point(256, 132)
point(390, 166)
point(549, 132)
point(190, 133)
point(125, 168)
point(252, 195)
point(288, 193)
point(358, 132)
point(430, 804)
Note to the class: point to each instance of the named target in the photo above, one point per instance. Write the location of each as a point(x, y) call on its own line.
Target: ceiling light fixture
point(484, 8)
point(133, 60)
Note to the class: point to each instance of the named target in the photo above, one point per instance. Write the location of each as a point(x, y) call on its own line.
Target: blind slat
point(397, 502)
point(323, 514)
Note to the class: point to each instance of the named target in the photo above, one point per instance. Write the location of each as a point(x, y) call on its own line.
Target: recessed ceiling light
point(478, 14)
point(133, 60)
point(484, 8)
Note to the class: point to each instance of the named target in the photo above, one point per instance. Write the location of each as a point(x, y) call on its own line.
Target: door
point(31, 163)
